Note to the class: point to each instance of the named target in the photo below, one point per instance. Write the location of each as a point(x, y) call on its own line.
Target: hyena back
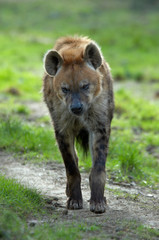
point(78, 91)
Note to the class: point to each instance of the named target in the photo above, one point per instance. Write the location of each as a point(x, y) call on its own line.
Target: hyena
point(78, 91)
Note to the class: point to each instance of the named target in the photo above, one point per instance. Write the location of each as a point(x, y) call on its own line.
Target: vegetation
point(127, 32)
point(18, 203)
point(133, 136)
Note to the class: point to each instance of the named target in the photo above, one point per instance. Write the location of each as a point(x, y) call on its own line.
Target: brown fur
point(77, 89)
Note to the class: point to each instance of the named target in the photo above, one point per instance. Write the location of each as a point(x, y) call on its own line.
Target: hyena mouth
point(77, 113)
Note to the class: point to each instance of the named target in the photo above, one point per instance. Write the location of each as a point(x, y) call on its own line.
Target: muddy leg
point(73, 187)
point(76, 161)
point(99, 145)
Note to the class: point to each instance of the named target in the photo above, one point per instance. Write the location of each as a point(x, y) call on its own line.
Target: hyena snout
point(76, 106)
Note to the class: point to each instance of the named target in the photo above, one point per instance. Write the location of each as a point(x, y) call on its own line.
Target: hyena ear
point(52, 62)
point(93, 55)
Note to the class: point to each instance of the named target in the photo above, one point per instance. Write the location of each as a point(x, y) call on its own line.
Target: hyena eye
point(85, 87)
point(65, 90)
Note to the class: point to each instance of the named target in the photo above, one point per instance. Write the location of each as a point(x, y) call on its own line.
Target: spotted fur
point(78, 91)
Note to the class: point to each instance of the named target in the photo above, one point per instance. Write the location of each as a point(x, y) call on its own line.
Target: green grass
point(129, 161)
point(128, 158)
point(13, 227)
point(134, 132)
point(127, 32)
point(18, 204)
point(124, 195)
point(134, 230)
point(14, 108)
point(128, 43)
point(136, 112)
point(26, 83)
point(148, 233)
point(35, 143)
point(134, 129)
point(126, 37)
point(18, 198)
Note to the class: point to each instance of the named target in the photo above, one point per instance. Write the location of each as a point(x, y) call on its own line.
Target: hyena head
point(75, 76)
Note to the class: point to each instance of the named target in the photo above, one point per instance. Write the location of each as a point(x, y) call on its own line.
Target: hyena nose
point(77, 108)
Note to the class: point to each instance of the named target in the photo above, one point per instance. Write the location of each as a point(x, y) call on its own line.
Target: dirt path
point(126, 203)
point(133, 203)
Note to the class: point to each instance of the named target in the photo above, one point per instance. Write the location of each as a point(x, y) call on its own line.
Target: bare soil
point(134, 203)
point(126, 203)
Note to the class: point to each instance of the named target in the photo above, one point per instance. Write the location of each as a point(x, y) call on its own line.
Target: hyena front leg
point(73, 187)
point(99, 146)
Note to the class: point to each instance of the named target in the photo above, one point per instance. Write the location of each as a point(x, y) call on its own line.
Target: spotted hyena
point(78, 92)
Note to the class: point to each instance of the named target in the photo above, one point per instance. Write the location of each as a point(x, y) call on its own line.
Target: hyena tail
point(83, 140)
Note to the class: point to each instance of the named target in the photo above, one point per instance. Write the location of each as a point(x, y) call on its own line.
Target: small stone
point(157, 94)
point(65, 212)
point(32, 223)
point(55, 199)
point(50, 207)
point(13, 91)
point(118, 229)
point(48, 201)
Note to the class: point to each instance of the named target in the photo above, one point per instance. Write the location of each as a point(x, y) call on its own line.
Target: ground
point(124, 201)
point(128, 204)
point(33, 206)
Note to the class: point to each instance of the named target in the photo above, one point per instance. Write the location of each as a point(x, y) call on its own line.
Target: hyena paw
point(74, 204)
point(98, 207)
